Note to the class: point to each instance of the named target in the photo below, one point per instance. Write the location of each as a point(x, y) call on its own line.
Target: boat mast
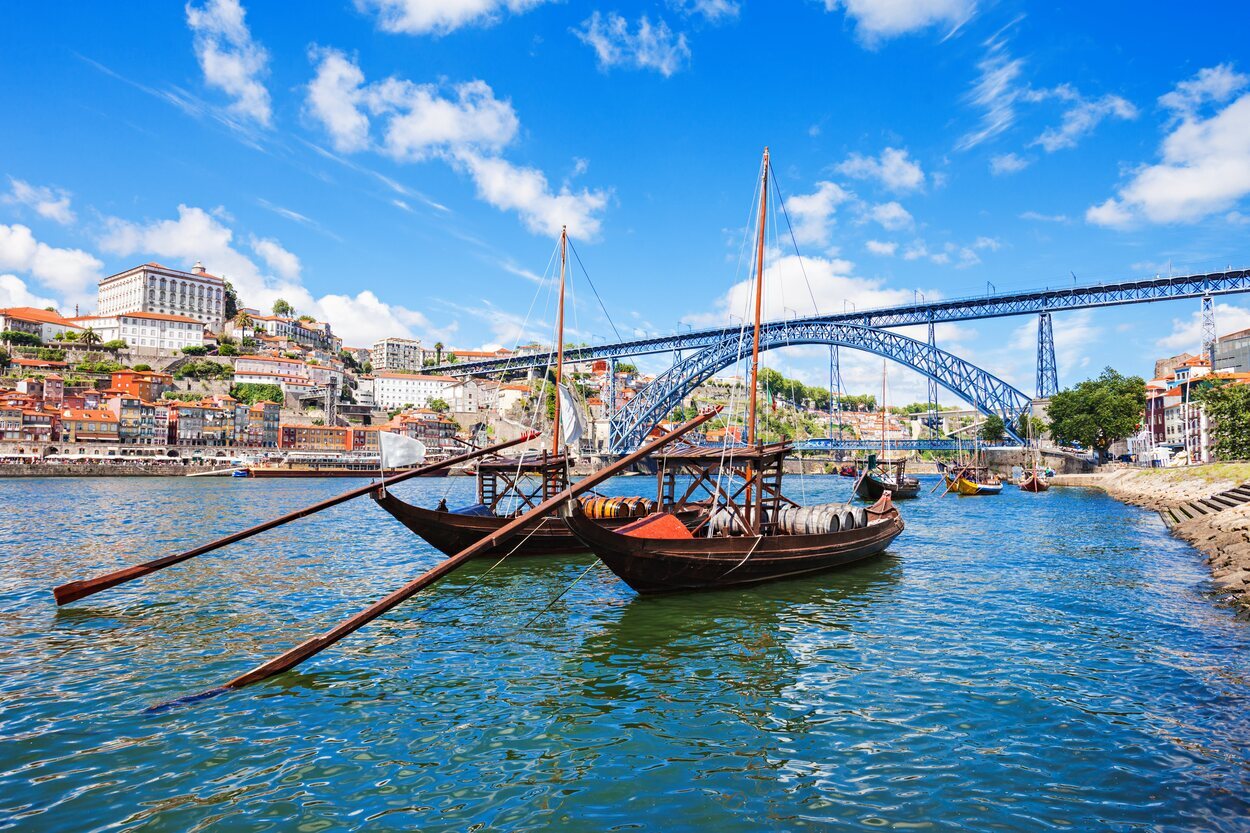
point(883, 410)
point(555, 425)
point(753, 517)
point(759, 297)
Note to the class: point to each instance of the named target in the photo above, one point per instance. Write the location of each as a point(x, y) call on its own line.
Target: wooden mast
point(752, 515)
point(555, 427)
point(883, 410)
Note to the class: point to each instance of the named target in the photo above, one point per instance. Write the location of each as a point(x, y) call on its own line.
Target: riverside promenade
point(1224, 537)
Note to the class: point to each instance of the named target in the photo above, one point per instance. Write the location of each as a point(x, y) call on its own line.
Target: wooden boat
point(506, 488)
point(1033, 481)
point(509, 487)
point(755, 533)
point(886, 476)
point(972, 480)
point(848, 470)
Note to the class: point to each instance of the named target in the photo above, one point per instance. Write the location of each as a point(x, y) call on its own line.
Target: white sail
point(398, 450)
point(571, 424)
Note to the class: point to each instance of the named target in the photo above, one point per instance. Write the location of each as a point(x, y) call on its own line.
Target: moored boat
point(754, 533)
point(1033, 480)
point(886, 476)
point(972, 480)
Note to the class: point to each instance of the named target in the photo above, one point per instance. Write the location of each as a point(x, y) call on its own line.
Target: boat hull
point(964, 486)
point(1033, 484)
point(870, 488)
point(451, 533)
point(328, 471)
point(661, 565)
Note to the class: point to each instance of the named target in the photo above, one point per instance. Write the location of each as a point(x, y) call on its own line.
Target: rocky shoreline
point(1224, 537)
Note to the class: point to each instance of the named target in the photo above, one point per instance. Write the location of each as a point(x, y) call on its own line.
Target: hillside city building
point(154, 288)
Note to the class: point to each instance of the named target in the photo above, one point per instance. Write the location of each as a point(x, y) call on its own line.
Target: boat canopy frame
point(757, 472)
point(530, 480)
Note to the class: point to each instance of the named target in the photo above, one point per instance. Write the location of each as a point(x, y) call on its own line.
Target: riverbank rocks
point(1224, 537)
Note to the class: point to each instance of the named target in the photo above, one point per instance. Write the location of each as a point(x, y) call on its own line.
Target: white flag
point(398, 450)
point(571, 425)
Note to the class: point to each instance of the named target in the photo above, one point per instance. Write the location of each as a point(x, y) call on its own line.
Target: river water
point(1022, 662)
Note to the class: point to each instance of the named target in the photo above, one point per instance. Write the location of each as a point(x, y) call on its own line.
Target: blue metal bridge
point(824, 444)
point(988, 393)
point(868, 330)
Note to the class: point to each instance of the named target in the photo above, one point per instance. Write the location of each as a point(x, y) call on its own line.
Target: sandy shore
point(1223, 537)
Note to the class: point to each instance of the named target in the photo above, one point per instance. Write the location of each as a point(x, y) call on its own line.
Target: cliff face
point(1223, 536)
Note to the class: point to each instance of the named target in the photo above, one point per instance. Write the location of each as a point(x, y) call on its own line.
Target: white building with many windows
point(146, 329)
point(395, 390)
point(397, 354)
point(158, 289)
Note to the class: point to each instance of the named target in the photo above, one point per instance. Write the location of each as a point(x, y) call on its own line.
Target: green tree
point(306, 319)
point(438, 352)
point(439, 405)
point(90, 336)
point(231, 306)
point(253, 392)
point(992, 429)
point(1030, 426)
point(116, 344)
point(1228, 409)
point(626, 367)
point(243, 322)
point(143, 368)
point(195, 350)
point(282, 308)
point(20, 339)
point(227, 350)
point(1097, 412)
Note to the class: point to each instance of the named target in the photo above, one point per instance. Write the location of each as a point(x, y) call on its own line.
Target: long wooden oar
point(76, 590)
point(317, 644)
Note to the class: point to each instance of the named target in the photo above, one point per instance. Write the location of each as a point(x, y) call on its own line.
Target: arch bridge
point(986, 392)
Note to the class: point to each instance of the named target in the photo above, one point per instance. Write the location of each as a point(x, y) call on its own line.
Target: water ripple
point(1027, 662)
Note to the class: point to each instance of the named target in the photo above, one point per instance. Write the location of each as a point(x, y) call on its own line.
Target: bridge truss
point(984, 391)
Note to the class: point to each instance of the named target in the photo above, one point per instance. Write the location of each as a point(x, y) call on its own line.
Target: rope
point(552, 604)
point(596, 291)
point(758, 538)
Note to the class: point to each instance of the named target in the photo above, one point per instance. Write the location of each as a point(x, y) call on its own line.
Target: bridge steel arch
point(984, 391)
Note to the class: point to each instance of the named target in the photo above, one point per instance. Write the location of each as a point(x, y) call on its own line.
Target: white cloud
point(878, 247)
point(650, 47)
point(422, 121)
point(877, 20)
point(526, 191)
point(1007, 163)
point(890, 216)
point(893, 169)
point(813, 213)
point(714, 11)
point(961, 256)
point(230, 59)
point(14, 293)
point(464, 125)
point(334, 99)
point(438, 17)
point(201, 235)
point(1081, 117)
point(1044, 218)
point(281, 262)
point(49, 203)
point(1187, 332)
point(787, 279)
point(995, 93)
point(1205, 165)
point(1211, 85)
point(72, 273)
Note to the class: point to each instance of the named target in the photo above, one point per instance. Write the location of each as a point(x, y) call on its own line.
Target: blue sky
point(401, 166)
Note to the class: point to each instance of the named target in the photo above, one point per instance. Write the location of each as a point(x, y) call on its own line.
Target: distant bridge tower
point(1208, 329)
point(1047, 370)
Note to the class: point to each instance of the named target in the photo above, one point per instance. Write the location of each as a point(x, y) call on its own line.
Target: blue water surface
point(1021, 662)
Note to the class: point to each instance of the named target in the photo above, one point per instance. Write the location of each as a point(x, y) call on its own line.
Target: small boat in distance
point(327, 464)
point(967, 479)
point(879, 477)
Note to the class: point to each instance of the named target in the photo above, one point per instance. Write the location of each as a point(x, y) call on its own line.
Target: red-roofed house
point(152, 330)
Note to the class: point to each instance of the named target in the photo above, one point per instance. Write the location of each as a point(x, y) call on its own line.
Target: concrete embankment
point(1224, 537)
point(100, 470)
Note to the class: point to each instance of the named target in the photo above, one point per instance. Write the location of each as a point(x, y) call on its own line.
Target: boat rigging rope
point(758, 538)
point(552, 603)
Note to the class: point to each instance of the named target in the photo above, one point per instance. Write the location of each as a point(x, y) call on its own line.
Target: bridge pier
point(933, 410)
point(1208, 329)
point(1047, 370)
point(610, 410)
